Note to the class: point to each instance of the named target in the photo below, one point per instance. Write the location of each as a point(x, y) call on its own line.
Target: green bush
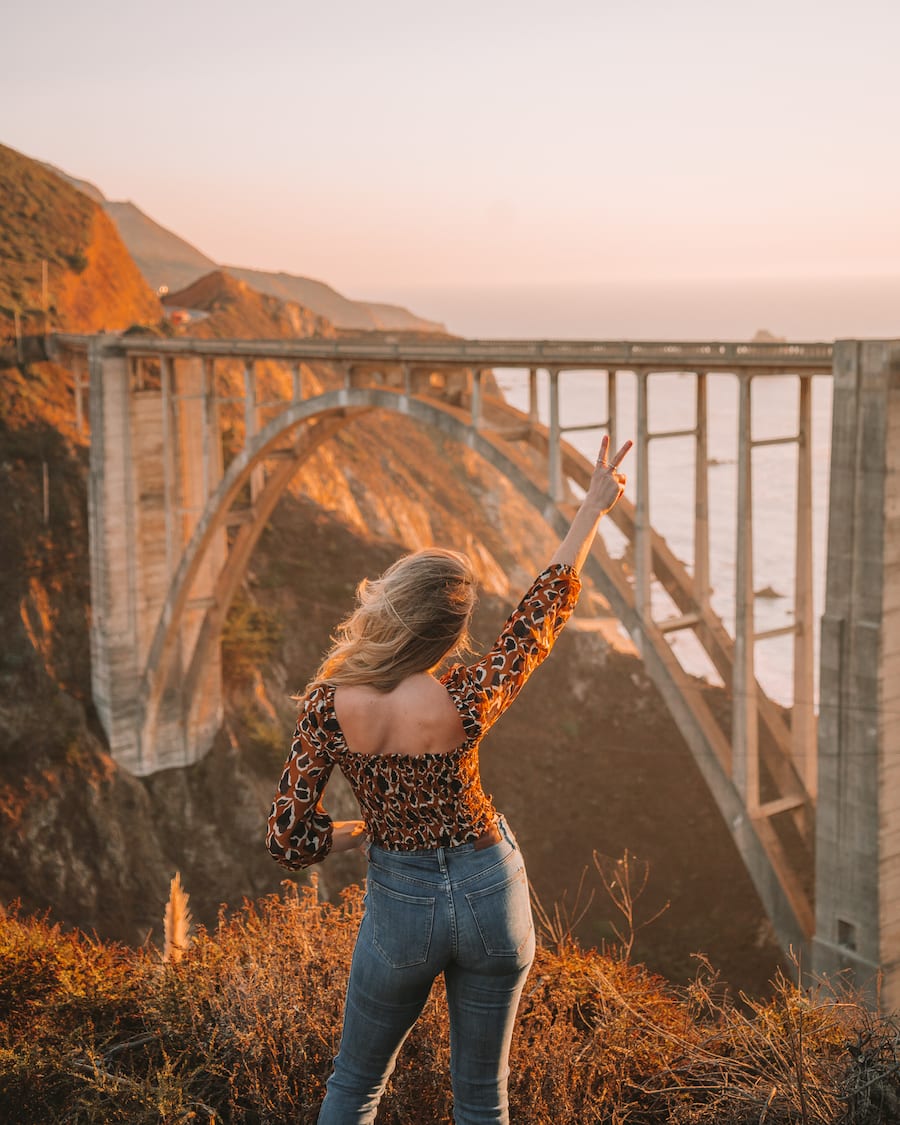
point(250, 639)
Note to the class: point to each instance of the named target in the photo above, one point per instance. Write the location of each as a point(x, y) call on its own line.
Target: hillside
point(166, 259)
point(342, 311)
point(603, 769)
point(92, 283)
point(161, 256)
point(234, 310)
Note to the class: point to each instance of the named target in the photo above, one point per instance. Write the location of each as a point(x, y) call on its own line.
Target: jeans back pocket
point(502, 914)
point(401, 925)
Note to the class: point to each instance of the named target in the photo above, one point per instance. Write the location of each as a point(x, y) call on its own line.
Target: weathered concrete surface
point(858, 815)
point(152, 458)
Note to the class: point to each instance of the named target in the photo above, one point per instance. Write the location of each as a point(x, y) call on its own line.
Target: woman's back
point(418, 717)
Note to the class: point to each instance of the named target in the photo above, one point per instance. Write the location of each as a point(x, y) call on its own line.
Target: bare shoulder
point(417, 715)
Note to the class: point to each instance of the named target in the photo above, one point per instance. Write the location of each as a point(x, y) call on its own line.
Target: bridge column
point(533, 415)
point(858, 814)
point(554, 447)
point(642, 529)
point(78, 373)
point(115, 667)
point(701, 499)
point(155, 455)
point(192, 723)
point(744, 721)
point(612, 409)
point(477, 406)
point(803, 711)
point(251, 425)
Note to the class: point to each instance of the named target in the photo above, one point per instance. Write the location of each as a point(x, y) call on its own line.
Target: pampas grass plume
point(177, 922)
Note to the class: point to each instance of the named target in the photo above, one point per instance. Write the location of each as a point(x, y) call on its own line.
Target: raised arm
point(607, 485)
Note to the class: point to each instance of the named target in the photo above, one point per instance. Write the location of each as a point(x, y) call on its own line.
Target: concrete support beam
point(858, 814)
point(612, 409)
point(477, 406)
point(701, 498)
point(533, 416)
point(251, 424)
point(554, 449)
point(78, 380)
point(745, 720)
point(155, 457)
point(642, 529)
point(803, 713)
point(115, 665)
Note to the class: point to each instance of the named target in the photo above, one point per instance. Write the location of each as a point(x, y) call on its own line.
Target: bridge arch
point(317, 419)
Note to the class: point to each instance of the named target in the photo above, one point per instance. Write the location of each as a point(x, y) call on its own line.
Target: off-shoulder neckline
point(394, 755)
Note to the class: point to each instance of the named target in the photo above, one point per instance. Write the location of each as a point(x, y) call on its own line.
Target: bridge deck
point(809, 358)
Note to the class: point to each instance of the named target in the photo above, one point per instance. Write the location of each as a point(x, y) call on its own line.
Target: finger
point(621, 454)
point(604, 449)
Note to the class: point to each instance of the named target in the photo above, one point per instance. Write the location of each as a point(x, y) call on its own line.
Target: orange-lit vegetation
point(92, 283)
point(244, 1026)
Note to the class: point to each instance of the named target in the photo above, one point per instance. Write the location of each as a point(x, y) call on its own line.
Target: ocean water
point(672, 407)
point(813, 310)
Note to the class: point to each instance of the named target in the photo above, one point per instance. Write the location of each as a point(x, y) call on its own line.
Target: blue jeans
point(458, 911)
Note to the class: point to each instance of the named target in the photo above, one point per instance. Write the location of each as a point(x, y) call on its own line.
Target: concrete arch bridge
point(813, 802)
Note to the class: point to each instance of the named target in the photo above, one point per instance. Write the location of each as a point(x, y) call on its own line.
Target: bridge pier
point(155, 453)
point(858, 815)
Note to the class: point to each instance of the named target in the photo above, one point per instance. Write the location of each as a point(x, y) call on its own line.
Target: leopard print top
point(417, 801)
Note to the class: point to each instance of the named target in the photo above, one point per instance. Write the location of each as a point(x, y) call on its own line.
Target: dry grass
point(244, 1026)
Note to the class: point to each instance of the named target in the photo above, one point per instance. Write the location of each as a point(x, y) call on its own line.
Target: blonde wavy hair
point(407, 621)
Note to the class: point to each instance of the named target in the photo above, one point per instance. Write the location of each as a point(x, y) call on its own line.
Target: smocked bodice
point(426, 800)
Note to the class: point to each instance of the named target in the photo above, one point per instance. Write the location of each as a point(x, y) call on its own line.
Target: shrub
point(244, 1026)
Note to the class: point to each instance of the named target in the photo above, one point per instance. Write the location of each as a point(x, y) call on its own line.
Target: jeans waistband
point(498, 831)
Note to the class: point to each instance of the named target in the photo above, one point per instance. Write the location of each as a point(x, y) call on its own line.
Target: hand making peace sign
point(607, 483)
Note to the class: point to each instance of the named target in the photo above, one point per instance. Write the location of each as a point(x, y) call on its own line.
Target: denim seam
point(389, 871)
point(479, 875)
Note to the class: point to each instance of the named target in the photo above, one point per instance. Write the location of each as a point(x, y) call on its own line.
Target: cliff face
point(110, 293)
point(92, 283)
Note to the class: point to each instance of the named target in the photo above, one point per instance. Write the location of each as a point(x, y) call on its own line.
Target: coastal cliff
point(588, 760)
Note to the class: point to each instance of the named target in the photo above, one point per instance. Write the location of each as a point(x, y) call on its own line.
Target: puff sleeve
point(524, 642)
point(299, 829)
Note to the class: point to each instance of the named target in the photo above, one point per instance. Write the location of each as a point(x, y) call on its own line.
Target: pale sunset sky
point(376, 145)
